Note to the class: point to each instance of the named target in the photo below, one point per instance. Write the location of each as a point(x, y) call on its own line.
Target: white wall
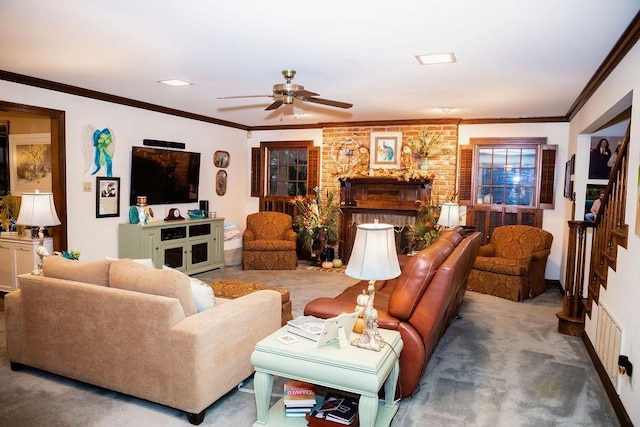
point(623, 293)
point(554, 220)
point(97, 237)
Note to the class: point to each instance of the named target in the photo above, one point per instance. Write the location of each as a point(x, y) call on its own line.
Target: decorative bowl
point(195, 213)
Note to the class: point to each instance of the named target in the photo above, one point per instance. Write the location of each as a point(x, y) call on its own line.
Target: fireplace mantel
point(386, 199)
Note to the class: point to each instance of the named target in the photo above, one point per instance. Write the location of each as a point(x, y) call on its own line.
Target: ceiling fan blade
point(329, 102)
point(303, 94)
point(245, 96)
point(275, 105)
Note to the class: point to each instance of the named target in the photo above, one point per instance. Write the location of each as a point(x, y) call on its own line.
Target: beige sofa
point(134, 329)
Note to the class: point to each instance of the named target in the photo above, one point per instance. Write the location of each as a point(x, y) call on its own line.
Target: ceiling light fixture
point(436, 58)
point(175, 82)
point(446, 109)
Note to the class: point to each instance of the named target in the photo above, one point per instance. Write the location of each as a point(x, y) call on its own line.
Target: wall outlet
point(86, 187)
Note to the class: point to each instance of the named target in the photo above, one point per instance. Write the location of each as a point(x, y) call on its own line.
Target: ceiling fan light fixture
point(175, 82)
point(436, 58)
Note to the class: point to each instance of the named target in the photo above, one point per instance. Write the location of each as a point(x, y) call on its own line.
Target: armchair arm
point(247, 235)
point(540, 255)
point(487, 250)
point(290, 235)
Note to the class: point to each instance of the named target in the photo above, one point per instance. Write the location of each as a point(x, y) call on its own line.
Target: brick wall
point(443, 166)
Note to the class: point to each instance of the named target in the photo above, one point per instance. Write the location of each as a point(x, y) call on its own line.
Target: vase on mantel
point(423, 164)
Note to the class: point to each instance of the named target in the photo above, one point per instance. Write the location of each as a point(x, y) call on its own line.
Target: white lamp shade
point(449, 215)
point(37, 209)
point(374, 255)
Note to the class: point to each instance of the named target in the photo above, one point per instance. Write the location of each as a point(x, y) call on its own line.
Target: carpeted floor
point(502, 364)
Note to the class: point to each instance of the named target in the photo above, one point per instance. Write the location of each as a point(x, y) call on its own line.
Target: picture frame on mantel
point(384, 152)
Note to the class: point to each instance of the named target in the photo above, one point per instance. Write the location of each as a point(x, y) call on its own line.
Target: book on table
point(306, 326)
point(337, 409)
point(299, 394)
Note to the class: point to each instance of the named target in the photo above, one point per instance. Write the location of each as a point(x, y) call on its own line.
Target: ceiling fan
point(285, 93)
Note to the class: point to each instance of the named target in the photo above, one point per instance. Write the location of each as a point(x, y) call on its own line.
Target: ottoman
point(231, 289)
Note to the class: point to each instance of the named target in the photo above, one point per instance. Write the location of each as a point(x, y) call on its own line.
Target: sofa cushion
point(92, 272)
point(130, 275)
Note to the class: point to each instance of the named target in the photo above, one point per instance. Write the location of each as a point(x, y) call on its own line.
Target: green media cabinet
point(190, 245)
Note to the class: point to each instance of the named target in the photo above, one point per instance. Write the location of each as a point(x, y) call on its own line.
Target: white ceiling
point(523, 58)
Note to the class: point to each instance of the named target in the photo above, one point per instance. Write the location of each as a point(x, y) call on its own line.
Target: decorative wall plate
point(221, 159)
point(221, 183)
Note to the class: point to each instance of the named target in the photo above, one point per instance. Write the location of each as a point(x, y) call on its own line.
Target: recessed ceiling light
point(446, 109)
point(436, 58)
point(175, 82)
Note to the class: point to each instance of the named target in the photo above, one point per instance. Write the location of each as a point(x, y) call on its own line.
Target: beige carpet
point(502, 364)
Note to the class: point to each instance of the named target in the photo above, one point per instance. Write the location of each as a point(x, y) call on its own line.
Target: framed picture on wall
point(107, 197)
point(603, 154)
point(384, 152)
point(568, 183)
point(30, 163)
point(593, 192)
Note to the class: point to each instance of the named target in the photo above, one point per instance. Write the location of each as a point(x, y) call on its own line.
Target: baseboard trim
point(618, 407)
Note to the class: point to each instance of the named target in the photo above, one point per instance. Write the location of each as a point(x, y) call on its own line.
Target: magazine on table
point(306, 326)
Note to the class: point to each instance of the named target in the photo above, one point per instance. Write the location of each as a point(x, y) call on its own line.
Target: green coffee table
point(351, 369)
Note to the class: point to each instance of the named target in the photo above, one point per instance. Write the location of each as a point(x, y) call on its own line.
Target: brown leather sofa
point(420, 303)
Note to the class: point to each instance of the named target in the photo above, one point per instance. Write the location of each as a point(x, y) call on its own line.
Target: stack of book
point(336, 410)
point(299, 398)
point(306, 326)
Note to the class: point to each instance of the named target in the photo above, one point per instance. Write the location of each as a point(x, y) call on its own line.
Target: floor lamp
point(373, 257)
point(37, 210)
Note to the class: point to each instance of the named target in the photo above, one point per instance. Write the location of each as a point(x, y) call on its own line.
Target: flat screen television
point(164, 176)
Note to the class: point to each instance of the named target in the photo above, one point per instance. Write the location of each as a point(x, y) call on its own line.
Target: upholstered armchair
point(512, 266)
point(269, 242)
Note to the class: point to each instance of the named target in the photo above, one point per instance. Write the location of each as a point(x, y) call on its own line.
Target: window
point(507, 172)
point(506, 176)
point(282, 170)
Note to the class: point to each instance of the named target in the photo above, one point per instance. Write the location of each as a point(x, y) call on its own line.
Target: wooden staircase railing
point(609, 232)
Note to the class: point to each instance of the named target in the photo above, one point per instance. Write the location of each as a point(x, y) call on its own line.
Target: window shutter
point(547, 176)
point(313, 170)
point(256, 173)
point(465, 173)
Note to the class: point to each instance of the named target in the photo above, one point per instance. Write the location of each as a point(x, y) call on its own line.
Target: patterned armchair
point(269, 242)
point(512, 266)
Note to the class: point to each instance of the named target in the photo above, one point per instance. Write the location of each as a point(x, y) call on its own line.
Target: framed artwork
point(221, 183)
point(30, 163)
point(602, 156)
point(221, 159)
point(593, 192)
point(568, 183)
point(107, 197)
point(384, 151)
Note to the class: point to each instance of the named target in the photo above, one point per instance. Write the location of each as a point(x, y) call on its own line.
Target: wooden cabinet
point(18, 256)
point(191, 245)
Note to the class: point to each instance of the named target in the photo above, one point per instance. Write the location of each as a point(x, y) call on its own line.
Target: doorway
point(58, 164)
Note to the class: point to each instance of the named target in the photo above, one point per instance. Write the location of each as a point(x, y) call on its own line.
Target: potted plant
point(317, 220)
point(426, 228)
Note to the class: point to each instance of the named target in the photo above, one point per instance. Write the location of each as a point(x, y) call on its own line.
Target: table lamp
point(373, 257)
point(37, 210)
point(449, 215)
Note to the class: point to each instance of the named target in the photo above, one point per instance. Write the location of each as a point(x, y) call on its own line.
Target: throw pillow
point(202, 293)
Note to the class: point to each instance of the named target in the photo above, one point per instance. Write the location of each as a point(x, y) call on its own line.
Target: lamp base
point(370, 338)
point(42, 253)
